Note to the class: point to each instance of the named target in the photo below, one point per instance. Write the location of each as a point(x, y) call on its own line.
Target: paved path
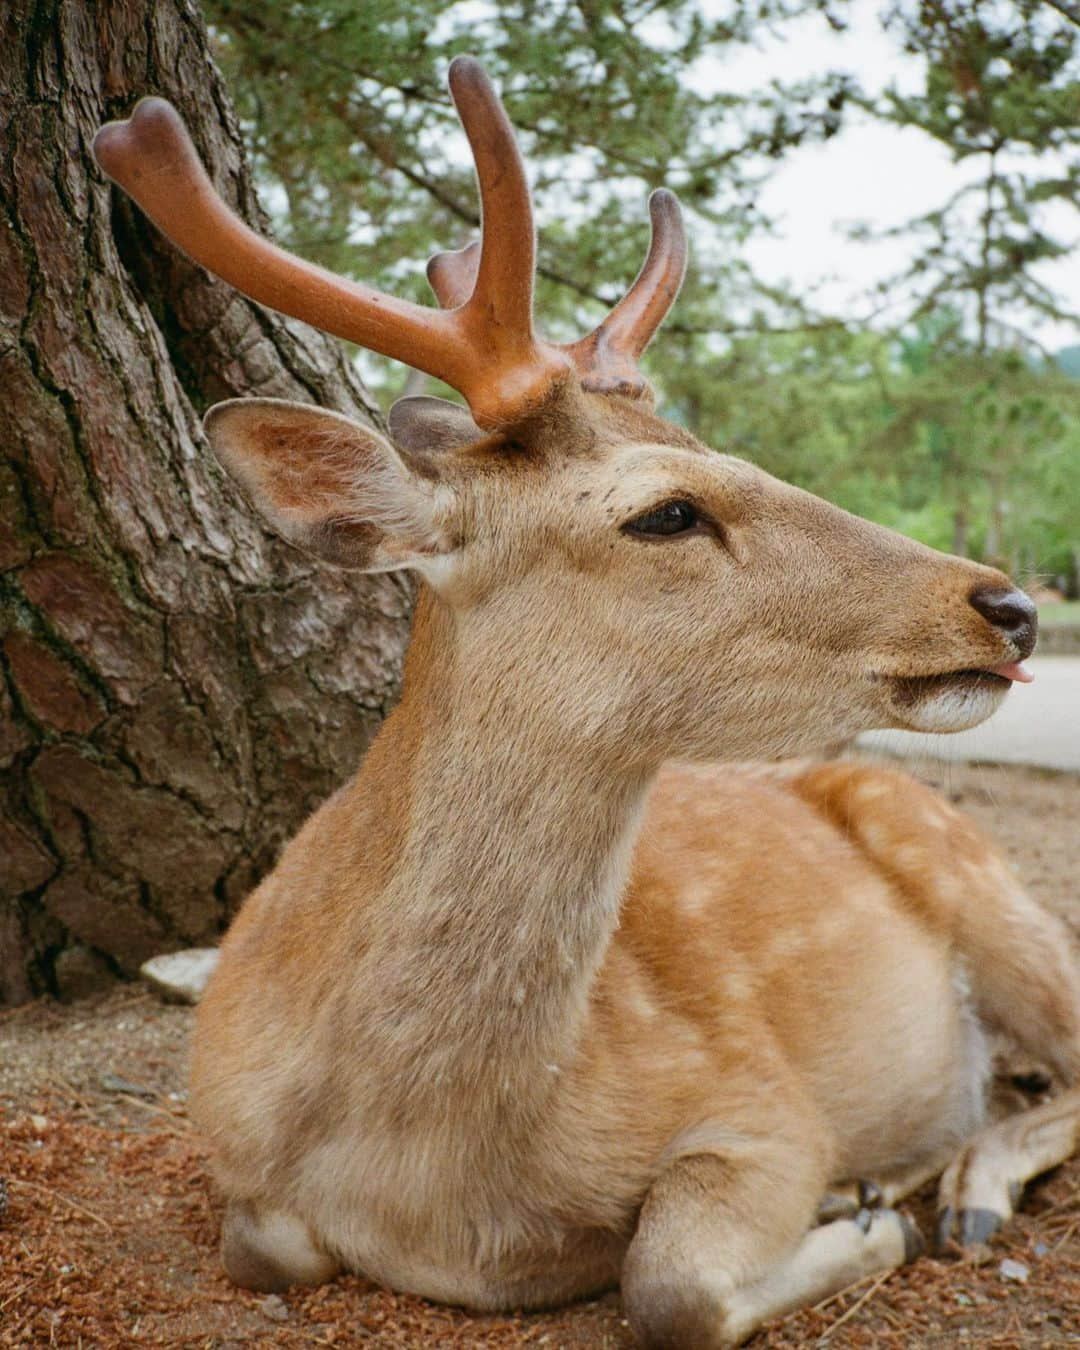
point(1037, 724)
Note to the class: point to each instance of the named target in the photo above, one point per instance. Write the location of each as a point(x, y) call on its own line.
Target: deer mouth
point(953, 700)
point(914, 688)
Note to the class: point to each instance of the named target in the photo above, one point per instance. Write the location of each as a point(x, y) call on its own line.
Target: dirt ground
point(108, 1223)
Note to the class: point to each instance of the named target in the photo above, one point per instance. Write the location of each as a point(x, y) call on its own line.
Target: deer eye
point(663, 521)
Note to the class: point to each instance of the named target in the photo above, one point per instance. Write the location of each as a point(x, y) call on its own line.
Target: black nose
point(1012, 612)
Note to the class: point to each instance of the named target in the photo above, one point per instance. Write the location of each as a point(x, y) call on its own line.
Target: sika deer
point(527, 1007)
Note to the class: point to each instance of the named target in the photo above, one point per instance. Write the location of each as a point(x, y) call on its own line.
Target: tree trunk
point(178, 688)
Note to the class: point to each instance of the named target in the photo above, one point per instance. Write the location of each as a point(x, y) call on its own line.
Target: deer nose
point(1011, 612)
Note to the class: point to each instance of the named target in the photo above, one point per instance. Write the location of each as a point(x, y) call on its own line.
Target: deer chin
point(954, 701)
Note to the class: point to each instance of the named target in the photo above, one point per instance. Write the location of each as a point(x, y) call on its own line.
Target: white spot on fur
point(909, 857)
point(637, 1001)
point(878, 837)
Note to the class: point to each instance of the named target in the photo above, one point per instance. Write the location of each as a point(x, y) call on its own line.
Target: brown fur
point(520, 975)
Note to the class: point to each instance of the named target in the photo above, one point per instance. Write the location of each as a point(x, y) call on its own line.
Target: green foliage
point(975, 454)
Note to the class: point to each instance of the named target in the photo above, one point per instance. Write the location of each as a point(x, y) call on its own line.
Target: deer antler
point(607, 358)
point(452, 275)
point(482, 342)
point(485, 348)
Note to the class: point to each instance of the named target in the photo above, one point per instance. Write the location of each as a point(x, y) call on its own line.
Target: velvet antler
point(607, 358)
point(482, 342)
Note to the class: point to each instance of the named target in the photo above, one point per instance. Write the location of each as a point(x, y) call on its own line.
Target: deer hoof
point(966, 1226)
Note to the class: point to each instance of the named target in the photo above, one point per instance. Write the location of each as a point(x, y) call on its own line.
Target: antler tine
point(482, 341)
point(503, 293)
point(485, 349)
point(452, 275)
point(608, 357)
point(151, 156)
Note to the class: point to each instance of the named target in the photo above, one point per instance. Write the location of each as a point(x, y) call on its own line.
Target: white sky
point(870, 172)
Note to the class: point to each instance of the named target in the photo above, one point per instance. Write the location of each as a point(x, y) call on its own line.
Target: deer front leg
point(847, 1199)
point(723, 1246)
point(982, 1185)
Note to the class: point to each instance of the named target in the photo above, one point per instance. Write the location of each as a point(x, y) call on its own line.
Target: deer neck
point(506, 854)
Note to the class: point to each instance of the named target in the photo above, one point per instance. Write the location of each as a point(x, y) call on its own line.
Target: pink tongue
point(1013, 671)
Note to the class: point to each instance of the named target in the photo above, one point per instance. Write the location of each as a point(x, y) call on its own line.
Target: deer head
point(644, 594)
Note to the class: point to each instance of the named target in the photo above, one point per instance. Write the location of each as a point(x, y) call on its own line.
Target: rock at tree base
point(181, 977)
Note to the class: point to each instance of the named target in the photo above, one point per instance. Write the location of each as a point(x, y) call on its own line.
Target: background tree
point(945, 419)
point(1001, 93)
point(177, 687)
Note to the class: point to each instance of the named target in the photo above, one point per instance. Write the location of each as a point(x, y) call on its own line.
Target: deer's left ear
point(329, 485)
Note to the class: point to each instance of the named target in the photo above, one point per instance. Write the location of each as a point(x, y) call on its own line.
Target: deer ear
point(335, 488)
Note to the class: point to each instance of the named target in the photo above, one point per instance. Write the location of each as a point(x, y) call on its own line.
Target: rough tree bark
point(177, 687)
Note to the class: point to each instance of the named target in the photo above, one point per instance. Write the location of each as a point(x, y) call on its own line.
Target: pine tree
point(177, 687)
point(1001, 93)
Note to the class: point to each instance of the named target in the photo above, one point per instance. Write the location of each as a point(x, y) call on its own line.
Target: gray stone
point(274, 1307)
point(1014, 1270)
point(181, 977)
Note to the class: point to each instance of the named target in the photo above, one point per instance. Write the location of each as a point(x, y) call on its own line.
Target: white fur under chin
point(953, 709)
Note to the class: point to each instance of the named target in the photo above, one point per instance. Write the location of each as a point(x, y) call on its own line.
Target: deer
point(592, 976)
